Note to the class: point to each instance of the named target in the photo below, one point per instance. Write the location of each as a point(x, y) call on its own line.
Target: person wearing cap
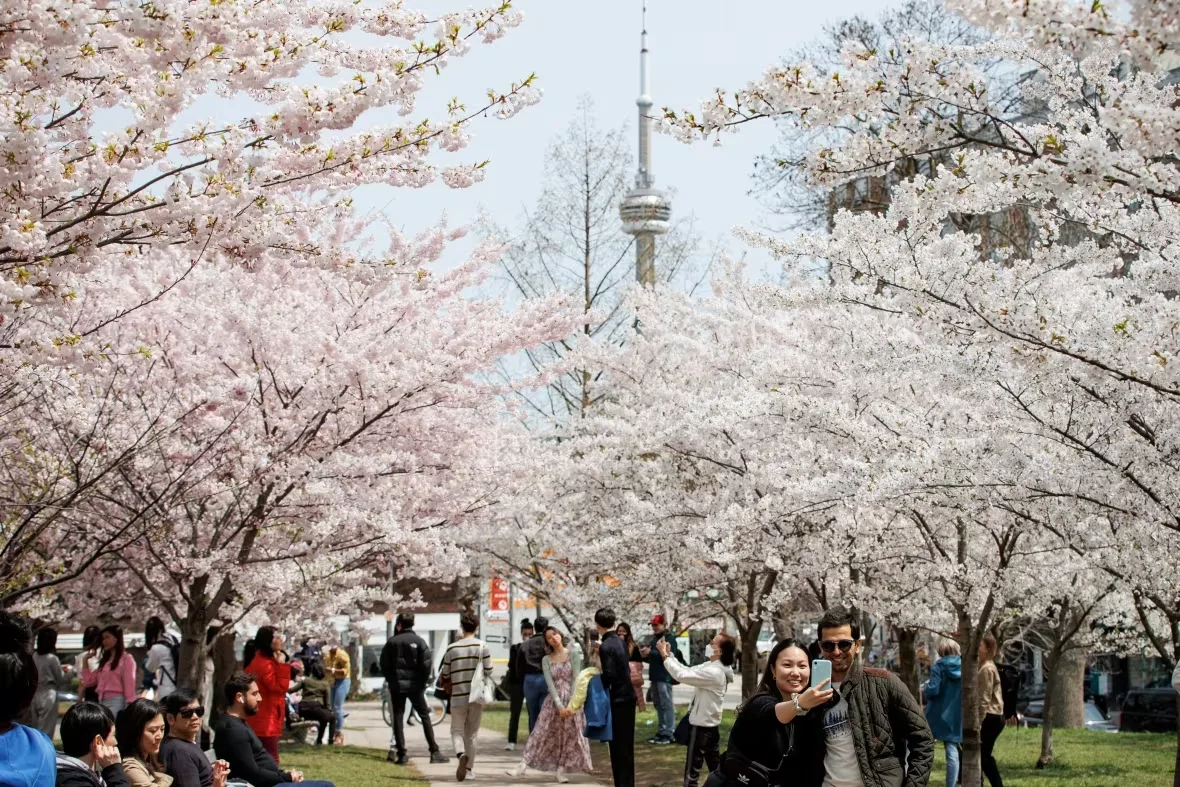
point(661, 680)
point(514, 682)
point(532, 674)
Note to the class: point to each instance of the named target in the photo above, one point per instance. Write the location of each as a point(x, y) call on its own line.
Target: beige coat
point(139, 776)
point(991, 695)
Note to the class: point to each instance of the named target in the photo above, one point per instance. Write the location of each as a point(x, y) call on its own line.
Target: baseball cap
point(657, 620)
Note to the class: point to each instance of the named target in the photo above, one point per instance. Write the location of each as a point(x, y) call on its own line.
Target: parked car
point(1148, 710)
point(1034, 712)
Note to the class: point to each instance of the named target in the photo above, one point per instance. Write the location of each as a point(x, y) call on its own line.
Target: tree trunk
point(1069, 707)
point(190, 672)
point(1176, 770)
point(750, 674)
point(970, 768)
point(907, 653)
point(1048, 715)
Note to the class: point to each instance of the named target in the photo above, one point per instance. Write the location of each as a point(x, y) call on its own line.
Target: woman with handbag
point(635, 662)
point(467, 666)
point(773, 741)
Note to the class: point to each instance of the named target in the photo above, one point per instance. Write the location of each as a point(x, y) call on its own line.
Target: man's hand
point(664, 648)
point(296, 776)
point(645, 651)
point(104, 755)
point(220, 773)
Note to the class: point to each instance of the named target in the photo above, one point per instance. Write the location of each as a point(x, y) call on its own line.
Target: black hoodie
point(72, 772)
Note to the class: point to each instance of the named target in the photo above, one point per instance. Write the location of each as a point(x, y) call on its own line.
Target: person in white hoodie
point(709, 681)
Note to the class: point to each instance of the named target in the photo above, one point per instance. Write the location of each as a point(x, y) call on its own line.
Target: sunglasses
point(188, 713)
point(829, 646)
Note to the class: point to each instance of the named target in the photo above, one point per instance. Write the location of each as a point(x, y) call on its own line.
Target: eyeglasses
point(830, 646)
point(188, 713)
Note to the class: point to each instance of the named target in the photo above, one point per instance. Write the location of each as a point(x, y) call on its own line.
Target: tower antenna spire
point(645, 211)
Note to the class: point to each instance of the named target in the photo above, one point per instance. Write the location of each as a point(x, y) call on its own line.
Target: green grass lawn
point(349, 766)
point(1084, 758)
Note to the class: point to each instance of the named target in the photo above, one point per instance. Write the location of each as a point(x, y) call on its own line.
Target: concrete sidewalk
point(365, 727)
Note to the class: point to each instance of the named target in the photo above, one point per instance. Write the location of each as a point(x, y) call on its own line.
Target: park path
point(365, 727)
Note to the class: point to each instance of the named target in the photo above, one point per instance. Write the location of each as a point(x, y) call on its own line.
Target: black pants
point(515, 706)
point(993, 725)
point(622, 744)
point(417, 702)
point(321, 715)
point(704, 747)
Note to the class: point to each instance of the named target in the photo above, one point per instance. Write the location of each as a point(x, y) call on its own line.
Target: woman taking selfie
point(775, 721)
point(114, 680)
point(139, 730)
point(269, 666)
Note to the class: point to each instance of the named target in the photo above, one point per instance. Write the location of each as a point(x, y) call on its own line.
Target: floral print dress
point(556, 742)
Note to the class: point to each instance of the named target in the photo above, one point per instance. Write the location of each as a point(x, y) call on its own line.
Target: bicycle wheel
point(438, 710)
point(386, 708)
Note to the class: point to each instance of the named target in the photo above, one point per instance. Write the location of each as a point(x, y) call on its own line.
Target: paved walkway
point(365, 727)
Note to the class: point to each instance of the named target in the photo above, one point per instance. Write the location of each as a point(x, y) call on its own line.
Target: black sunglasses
point(188, 713)
point(828, 646)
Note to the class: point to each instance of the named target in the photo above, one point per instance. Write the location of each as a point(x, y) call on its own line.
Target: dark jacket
point(758, 735)
point(72, 772)
point(405, 663)
point(655, 662)
point(185, 763)
point(616, 674)
point(532, 651)
point(236, 743)
point(893, 741)
point(514, 676)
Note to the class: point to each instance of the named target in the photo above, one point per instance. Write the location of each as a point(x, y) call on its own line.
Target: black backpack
point(1010, 679)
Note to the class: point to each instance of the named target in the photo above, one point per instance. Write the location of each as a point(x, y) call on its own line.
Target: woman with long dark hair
point(139, 730)
point(991, 700)
point(273, 676)
point(775, 721)
point(49, 679)
point(556, 743)
point(86, 662)
point(27, 758)
point(635, 662)
point(114, 680)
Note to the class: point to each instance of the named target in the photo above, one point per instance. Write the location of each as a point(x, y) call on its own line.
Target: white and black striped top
point(458, 666)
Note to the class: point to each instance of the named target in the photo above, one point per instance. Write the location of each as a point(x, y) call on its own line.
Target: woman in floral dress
point(556, 744)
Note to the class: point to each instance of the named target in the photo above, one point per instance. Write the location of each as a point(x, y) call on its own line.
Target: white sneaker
point(518, 771)
point(461, 771)
point(510, 747)
point(561, 777)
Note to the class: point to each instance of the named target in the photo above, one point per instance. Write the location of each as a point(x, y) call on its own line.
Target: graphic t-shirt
point(841, 768)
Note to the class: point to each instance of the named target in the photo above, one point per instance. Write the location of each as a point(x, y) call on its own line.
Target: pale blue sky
point(592, 48)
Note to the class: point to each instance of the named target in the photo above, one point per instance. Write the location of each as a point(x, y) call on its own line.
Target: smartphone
point(821, 670)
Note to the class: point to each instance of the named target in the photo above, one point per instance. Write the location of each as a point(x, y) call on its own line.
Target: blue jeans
point(953, 752)
point(535, 692)
point(339, 694)
point(661, 696)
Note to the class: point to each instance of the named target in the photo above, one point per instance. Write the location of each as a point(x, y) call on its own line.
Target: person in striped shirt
point(460, 663)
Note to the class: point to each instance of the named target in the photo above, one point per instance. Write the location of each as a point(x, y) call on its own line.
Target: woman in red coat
point(273, 678)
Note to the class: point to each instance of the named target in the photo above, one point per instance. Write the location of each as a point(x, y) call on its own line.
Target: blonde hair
point(948, 647)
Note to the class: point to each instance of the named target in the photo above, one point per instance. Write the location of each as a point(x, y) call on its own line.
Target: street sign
point(498, 597)
point(495, 639)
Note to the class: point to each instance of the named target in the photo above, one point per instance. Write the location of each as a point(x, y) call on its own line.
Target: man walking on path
point(514, 682)
point(661, 681)
point(463, 661)
point(406, 664)
point(875, 731)
point(616, 679)
point(532, 676)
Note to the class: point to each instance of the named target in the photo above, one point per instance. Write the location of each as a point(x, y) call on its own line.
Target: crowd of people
point(124, 733)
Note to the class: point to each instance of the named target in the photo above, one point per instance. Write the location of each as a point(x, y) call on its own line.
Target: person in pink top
point(114, 680)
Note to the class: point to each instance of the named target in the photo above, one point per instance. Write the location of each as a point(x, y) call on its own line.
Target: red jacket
point(273, 680)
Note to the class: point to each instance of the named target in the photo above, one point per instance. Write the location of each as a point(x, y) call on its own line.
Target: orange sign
point(498, 600)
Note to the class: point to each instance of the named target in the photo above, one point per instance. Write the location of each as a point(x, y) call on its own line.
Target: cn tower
point(645, 210)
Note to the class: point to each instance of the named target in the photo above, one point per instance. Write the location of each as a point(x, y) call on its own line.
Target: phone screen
point(821, 670)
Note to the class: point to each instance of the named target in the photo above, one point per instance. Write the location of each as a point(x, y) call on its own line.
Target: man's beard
point(251, 710)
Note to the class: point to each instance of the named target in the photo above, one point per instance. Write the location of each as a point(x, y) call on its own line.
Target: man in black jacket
point(530, 673)
point(237, 744)
point(514, 682)
point(406, 665)
point(616, 679)
point(88, 740)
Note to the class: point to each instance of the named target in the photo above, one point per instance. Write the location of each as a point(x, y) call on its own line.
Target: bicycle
point(437, 708)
